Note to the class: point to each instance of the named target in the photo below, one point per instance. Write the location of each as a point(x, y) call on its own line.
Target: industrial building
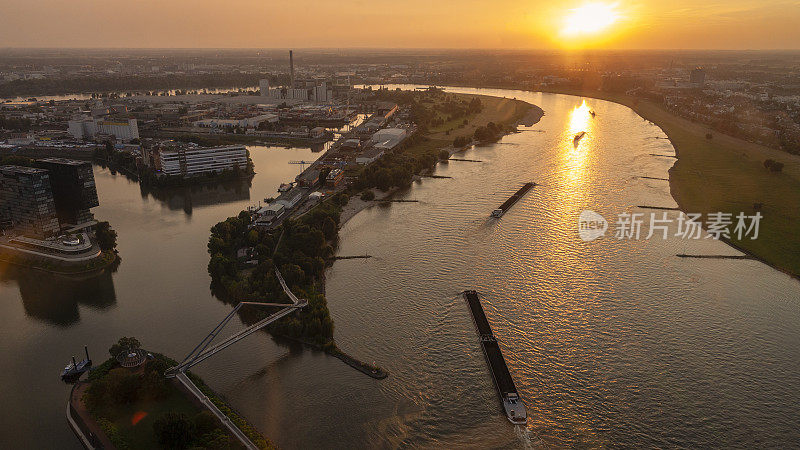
point(88, 128)
point(73, 188)
point(191, 160)
point(26, 201)
point(249, 122)
point(388, 138)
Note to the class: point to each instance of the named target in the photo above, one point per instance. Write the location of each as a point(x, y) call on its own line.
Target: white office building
point(87, 128)
point(191, 161)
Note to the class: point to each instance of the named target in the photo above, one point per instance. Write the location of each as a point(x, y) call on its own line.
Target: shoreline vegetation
point(303, 247)
point(137, 407)
point(720, 173)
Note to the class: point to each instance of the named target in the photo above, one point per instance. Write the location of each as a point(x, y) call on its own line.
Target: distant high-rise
point(697, 76)
point(291, 70)
point(263, 86)
point(74, 191)
point(26, 201)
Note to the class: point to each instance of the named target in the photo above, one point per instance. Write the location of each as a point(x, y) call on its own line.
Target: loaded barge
point(513, 199)
point(512, 404)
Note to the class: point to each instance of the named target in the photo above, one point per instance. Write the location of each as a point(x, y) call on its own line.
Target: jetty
point(513, 199)
point(510, 400)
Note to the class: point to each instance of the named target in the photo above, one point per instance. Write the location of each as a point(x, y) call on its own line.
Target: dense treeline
point(395, 170)
point(15, 124)
point(491, 132)
point(299, 248)
point(132, 83)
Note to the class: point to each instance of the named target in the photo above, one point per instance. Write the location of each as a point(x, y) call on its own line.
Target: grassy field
point(139, 434)
point(727, 174)
point(495, 109)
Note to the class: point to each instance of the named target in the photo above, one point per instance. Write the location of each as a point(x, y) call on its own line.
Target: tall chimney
point(291, 68)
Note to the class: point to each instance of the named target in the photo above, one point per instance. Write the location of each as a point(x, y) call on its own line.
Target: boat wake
point(524, 436)
point(526, 440)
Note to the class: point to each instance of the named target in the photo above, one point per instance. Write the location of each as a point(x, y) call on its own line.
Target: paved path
point(194, 390)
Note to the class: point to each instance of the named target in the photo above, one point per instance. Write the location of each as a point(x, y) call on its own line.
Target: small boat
point(285, 187)
point(74, 369)
point(578, 137)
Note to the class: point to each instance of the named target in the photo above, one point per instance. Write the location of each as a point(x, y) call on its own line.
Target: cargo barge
point(513, 199)
point(509, 398)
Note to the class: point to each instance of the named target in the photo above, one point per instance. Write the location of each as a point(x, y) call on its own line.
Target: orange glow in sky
point(500, 24)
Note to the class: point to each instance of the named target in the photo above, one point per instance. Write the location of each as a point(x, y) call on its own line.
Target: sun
point(590, 19)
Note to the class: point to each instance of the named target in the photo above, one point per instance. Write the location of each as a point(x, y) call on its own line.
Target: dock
point(513, 199)
point(510, 400)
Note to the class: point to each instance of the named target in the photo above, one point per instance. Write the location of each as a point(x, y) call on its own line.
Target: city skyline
point(623, 24)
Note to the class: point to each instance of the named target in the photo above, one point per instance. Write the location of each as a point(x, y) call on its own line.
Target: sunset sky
point(536, 24)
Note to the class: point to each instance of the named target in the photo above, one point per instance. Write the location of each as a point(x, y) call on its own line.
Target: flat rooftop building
point(190, 161)
point(26, 200)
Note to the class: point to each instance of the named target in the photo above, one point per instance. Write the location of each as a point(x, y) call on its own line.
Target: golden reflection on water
point(576, 154)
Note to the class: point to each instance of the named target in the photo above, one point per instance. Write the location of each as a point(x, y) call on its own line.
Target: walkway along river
point(615, 343)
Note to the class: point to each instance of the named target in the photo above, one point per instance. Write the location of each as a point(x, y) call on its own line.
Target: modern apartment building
point(74, 190)
point(191, 161)
point(26, 201)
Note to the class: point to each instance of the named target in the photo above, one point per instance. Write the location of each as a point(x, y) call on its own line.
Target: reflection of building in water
point(55, 299)
point(187, 198)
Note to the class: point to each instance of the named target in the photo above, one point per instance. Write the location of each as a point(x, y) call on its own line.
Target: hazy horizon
point(445, 25)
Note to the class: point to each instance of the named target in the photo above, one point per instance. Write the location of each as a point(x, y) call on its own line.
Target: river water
point(612, 343)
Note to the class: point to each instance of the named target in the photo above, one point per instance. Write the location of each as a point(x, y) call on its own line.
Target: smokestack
point(291, 69)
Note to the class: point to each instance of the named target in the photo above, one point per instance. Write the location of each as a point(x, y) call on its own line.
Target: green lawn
point(141, 434)
point(727, 174)
point(495, 109)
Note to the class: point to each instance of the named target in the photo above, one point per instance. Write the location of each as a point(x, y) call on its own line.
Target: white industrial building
point(87, 128)
point(190, 161)
point(388, 138)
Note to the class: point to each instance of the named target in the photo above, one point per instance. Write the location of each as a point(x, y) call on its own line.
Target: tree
point(204, 422)
point(368, 196)
point(106, 236)
point(123, 344)
point(122, 386)
point(329, 228)
point(174, 430)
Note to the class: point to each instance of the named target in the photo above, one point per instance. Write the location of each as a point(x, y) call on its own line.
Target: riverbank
point(104, 260)
point(727, 174)
point(506, 113)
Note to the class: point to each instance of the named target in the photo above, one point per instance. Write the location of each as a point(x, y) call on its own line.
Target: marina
point(512, 404)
